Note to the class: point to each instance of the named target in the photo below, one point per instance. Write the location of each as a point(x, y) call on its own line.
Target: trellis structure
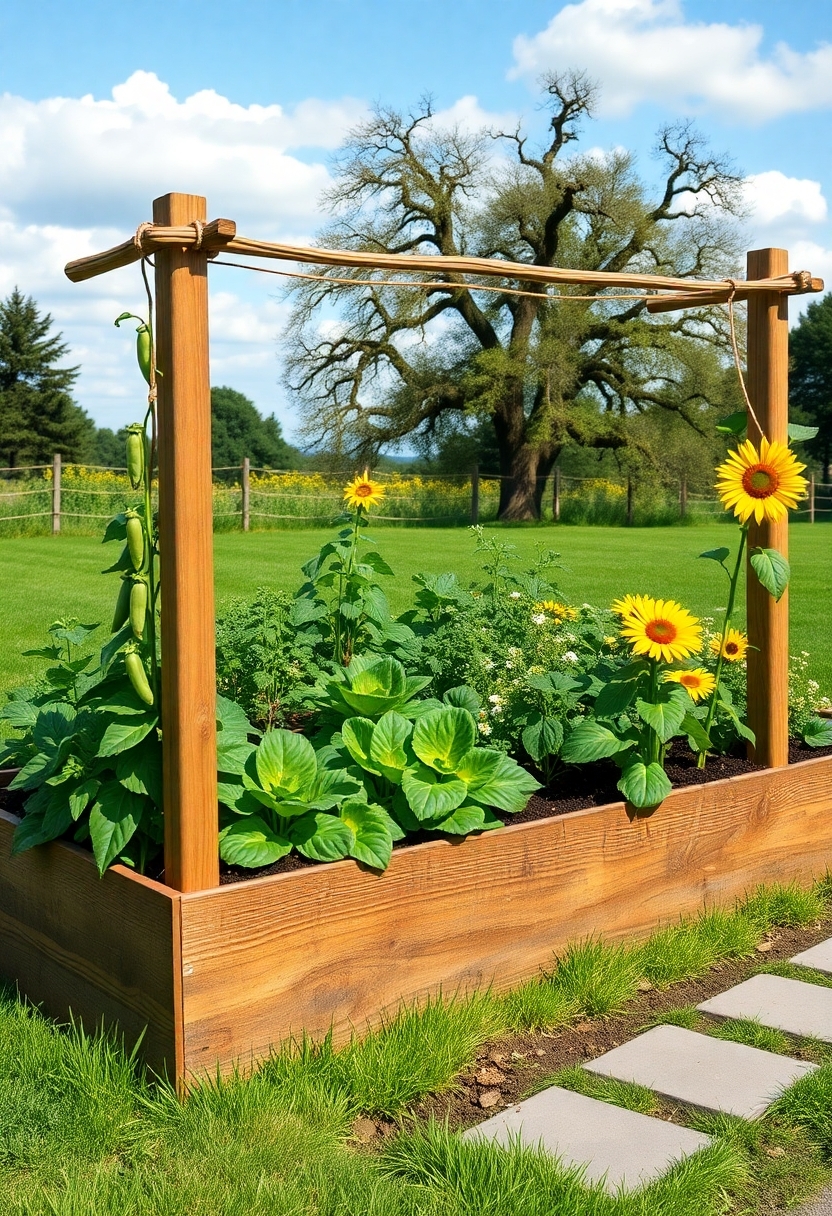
point(183, 243)
point(217, 975)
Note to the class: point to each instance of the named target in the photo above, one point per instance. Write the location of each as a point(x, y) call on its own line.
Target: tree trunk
point(519, 495)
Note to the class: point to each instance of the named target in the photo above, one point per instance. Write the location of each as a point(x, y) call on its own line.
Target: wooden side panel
point(335, 945)
point(100, 948)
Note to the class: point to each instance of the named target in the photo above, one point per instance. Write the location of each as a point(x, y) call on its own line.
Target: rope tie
point(138, 235)
point(732, 283)
point(199, 229)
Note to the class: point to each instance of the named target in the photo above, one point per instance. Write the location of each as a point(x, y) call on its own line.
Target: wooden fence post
point(475, 494)
point(56, 493)
point(768, 622)
point(812, 499)
point(556, 496)
point(629, 502)
point(186, 546)
point(246, 488)
point(683, 497)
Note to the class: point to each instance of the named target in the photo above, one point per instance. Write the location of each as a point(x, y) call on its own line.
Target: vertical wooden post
point(812, 499)
point(768, 622)
point(186, 546)
point(56, 493)
point(475, 494)
point(629, 502)
point(246, 488)
point(556, 496)
point(683, 497)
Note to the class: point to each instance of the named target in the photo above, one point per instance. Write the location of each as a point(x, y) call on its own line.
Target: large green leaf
point(35, 771)
point(542, 736)
point(430, 794)
point(81, 796)
point(388, 745)
point(53, 726)
point(479, 766)
point(22, 715)
point(644, 785)
point(250, 842)
point(58, 815)
point(371, 829)
point(321, 836)
point(667, 713)
point(554, 682)
point(140, 769)
point(232, 793)
point(818, 732)
point(798, 433)
point(617, 696)
point(717, 555)
point(286, 762)
point(589, 741)
point(332, 785)
point(696, 733)
point(120, 736)
point(507, 787)
point(29, 833)
point(442, 737)
point(357, 734)
point(734, 424)
point(772, 569)
point(233, 753)
point(232, 721)
point(466, 818)
point(462, 697)
point(113, 821)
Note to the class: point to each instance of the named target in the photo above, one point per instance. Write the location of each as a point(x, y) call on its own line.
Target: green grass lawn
point(42, 578)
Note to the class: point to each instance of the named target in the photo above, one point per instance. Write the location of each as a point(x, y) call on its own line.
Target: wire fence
point(79, 499)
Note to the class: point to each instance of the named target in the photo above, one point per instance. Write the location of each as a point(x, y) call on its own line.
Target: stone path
point(625, 1150)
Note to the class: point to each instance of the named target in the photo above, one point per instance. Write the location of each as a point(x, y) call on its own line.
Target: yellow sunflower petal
point(662, 630)
point(699, 682)
point(736, 644)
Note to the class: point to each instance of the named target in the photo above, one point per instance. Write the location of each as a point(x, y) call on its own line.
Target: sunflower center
point(690, 680)
point(661, 631)
point(363, 491)
point(760, 481)
point(731, 648)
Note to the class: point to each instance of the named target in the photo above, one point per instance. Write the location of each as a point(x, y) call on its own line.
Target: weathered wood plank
point(337, 945)
point(99, 948)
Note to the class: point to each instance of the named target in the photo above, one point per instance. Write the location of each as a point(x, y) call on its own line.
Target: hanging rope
point(737, 360)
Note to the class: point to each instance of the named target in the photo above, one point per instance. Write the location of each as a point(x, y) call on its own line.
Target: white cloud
point(786, 201)
point(78, 174)
point(469, 115)
point(645, 50)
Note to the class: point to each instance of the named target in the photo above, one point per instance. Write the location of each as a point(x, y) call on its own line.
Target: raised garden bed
point(219, 976)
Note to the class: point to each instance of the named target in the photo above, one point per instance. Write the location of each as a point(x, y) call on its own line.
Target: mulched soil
point(514, 1065)
point(575, 789)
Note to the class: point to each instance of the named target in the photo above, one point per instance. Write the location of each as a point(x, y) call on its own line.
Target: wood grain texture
point(98, 948)
point(215, 236)
point(335, 945)
point(768, 621)
point(186, 544)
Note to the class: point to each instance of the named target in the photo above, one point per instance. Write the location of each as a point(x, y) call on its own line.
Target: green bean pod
point(138, 676)
point(144, 350)
point(122, 604)
point(135, 540)
point(138, 607)
point(136, 457)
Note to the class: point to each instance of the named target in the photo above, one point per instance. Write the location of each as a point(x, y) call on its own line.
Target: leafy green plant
point(430, 775)
point(283, 794)
point(372, 685)
point(342, 606)
point(264, 663)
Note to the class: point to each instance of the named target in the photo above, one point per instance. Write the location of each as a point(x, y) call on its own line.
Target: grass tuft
point(778, 906)
point(686, 1016)
point(606, 1089)
point(538, 1005)
point(600, 978)
point(752, 1034)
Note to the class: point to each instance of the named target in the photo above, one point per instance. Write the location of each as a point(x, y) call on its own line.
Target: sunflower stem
point(720, 662)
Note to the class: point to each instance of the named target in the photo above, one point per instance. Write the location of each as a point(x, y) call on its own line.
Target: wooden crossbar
point(220, 235)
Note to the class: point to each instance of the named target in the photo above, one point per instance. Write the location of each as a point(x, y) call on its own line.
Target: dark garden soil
point(574, 789)
point(515, 1065)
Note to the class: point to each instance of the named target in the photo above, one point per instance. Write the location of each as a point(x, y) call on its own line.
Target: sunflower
point(699, 682)
point(557, 609)
point(363, 492)
point(765, 484)
point(661, 629)
point(625, 605)
point(735, 646)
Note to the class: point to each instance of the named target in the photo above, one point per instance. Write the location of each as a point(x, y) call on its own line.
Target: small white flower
point(514, 595)
point(495, 699)
point(488, 664)
point(539, 618)
point(569, 637)
point(509, 666)
point(571, 657)
point(484, 728)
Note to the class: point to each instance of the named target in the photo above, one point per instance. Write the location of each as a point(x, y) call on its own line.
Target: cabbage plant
point(431, 775)
point(371, 686)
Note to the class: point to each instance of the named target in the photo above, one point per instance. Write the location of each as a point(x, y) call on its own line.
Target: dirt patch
point(526, 1060)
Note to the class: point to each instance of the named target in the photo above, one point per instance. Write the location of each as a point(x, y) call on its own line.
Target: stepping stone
point(819, 957)
point(700, 1071)
point(617, 1147)
point(790, 1005)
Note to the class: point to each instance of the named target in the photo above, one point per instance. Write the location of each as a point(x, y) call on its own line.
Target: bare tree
point(375, 364)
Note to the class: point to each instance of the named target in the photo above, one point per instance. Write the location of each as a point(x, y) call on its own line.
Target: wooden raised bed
point(217, 975)
point(220, 976)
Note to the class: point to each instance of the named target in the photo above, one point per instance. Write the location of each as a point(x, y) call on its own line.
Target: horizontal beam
point(221, 235)
point(147, 238)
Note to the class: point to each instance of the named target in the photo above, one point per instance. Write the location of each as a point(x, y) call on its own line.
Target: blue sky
point(95, 119)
